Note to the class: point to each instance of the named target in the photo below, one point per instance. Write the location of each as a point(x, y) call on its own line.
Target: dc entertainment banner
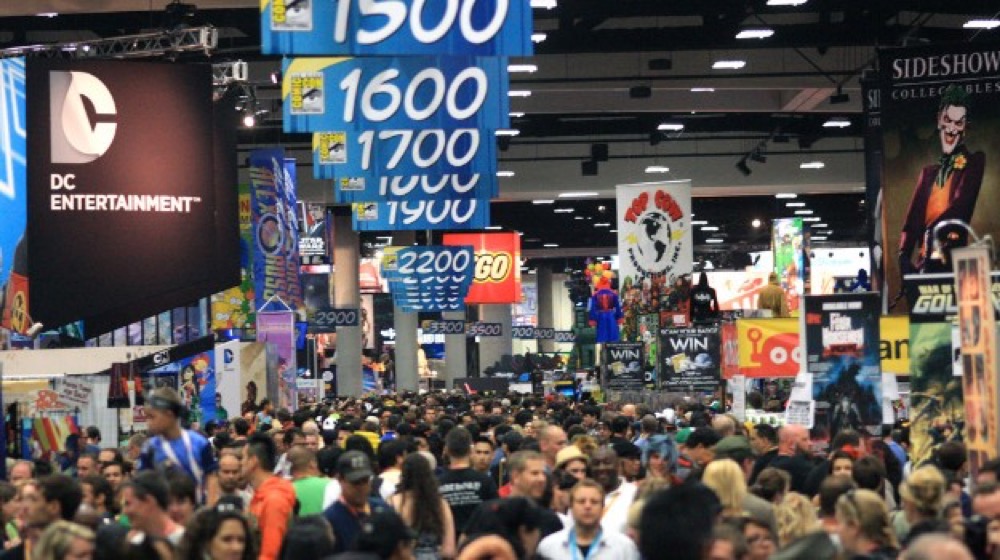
point(278, 329)
point(275, 228)
point(623, 366)
point(940, 125)
point(13, 196)
point(842, 354)
point(690, 359)
point(654, 231)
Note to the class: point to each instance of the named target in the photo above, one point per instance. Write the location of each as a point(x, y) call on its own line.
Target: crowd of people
point(449, 475)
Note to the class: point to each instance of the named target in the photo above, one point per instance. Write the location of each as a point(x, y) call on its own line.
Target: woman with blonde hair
point(922, 494)
point(725, 478)
point(796, 518)
point(864, 526)
point(62, 540)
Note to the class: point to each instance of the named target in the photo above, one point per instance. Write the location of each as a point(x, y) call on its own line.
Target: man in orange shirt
point(273, 498)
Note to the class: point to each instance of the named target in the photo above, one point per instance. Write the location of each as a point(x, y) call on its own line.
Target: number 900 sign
point(387, 93)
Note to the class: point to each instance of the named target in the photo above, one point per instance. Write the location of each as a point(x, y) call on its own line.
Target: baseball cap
point(382, 532)
point(354, 466)
point(682, 435)
point(733, 447)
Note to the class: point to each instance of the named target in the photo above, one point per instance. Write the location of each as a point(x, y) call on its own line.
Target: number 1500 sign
point(323, 94)
point(396, 27)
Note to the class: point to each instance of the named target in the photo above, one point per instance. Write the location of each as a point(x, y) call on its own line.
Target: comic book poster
point(690, 358)
point(192, 377)
point(842, 354)
point(940, 117)
point(278, 329)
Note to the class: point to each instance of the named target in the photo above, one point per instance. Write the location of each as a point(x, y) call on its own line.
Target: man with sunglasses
point(356, 505)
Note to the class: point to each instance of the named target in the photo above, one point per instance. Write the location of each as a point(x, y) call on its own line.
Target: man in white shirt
point(586, 538)
point(618, 493)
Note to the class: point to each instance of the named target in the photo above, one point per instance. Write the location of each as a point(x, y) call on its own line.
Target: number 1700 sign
point(396, 27)
point(420, 92)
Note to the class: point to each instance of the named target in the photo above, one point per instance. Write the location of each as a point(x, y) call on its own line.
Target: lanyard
point(192, 462)
point(594, 544)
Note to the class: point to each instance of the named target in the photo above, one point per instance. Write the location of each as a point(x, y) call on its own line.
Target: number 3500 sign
point(396, 27)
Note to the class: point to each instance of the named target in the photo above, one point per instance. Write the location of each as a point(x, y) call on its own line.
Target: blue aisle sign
point(421, 215)
point(396, 27)
point(411, 164)
point(429, 278)
point(414, 92)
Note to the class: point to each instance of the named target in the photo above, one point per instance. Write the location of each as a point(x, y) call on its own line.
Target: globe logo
point(655, 239)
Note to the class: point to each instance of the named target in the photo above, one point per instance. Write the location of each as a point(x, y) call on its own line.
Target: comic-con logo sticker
point(307, 93)
point(332, 147)
point(291, 15)
point(656, 233)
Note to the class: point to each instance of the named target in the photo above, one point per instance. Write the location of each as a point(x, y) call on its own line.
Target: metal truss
point(193, 39)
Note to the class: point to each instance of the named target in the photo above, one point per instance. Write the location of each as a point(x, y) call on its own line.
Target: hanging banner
point(789, 248)
point(234, 308)
point(769, 347)
point(689, 359)
point(978, 338)
point(935, 161)
point(421, 215)
point(623, 369)
point(314, 234)
point(360, 28)
point(871, 105)
point(228, 376)
point(429, 278)
point(275, 228)
point(278, 329)
point(423, 93)
point(497, 268)
point(654, 231)
point(13, 196)
point(842, 354)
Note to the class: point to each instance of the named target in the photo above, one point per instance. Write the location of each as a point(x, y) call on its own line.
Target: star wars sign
point(654, 230)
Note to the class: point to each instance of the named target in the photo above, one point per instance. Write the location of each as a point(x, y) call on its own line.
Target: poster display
point(234, 308)
point(842, 354)
point(978, 340)
point(737, 289)
point(789, 248)
point(833, 270)
point(314, 234)
point(13, 195)
point(194, 378)
point(277, 330)
point(275, 228)
point(936, 164)
point(623, 366)
point(690, 359)
point(498, 266)
point(358, 28)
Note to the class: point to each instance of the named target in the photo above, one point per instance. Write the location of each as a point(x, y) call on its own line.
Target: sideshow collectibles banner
point(842, 354)
point(421, 215)
point(497, 269)
point(234, 308)
point(423, 93)
point(978, 339)
point(937, 165)
point(359, 28)
point(871, 103)
point(690, 359)
point(789, 248)
point(275, 228)
point(623, 366)
point(654, 231)
point(13, 196)
point(314, 235)
point(277, 330)
point(131, 210)
point(737, 289)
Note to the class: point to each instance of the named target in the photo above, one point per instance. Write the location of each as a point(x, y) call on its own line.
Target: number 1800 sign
point(395, 93)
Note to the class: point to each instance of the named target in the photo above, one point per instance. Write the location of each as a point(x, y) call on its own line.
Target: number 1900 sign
point(396, 27)
point(422, 92)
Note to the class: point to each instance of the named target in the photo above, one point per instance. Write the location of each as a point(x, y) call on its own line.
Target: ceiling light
point(505, 173)
point(819, 238)
point(579, 194)
point(564, 210)
point(674, 127)
point(515, 114)
point(715, 240)
point(702, 89)
point(508, 132)
point(812, 219)
point(579, 218)
point(602, 224)
point(976, 24)
point(546, 4)
point(756, 222)
point(494, 228)
point(551, 245)
point(786, 195)
point(543, 201)
point(803, 212)
point(657, 169)
point(840, 97)
point(47, 14)
point(756, 33)
point(795, 204)
point(709, 228)
point(613, 230)
point(786, 2)
point(519, 93)
point(699, 222)
point(728, 64)
point(820, 225)
point(812, 165)
point(538, 37)
point(522, 68)
point(837, 122)
point(249, 120)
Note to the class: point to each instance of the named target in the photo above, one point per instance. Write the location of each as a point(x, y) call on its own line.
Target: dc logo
point(74, 138)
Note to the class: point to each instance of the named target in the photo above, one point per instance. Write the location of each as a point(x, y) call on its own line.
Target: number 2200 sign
point(396, 27)
point(395, 93)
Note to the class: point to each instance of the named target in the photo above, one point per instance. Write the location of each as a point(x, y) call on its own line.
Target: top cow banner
point(130, 210)
point(497, 269)
point(935, 162)
point(654, 231)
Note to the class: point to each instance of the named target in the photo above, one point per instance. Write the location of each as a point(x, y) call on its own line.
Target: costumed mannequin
point(704, 301)
point(605, 312)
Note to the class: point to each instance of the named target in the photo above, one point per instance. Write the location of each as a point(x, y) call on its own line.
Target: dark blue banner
point(275, 228)
point(396, 27)
point(429, 278)
point(422, 215)
point(415, 92)
point(13, 195)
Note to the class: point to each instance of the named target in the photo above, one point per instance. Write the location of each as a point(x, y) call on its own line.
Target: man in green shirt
point(313, 492)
